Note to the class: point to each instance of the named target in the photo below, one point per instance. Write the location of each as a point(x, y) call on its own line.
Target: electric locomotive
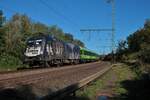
point(48, 50)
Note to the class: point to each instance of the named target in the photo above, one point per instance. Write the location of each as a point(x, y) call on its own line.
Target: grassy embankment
point(109, 84)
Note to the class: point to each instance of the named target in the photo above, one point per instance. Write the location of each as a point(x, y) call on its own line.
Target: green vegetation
point(90, 91)
point(110, 83)
point(136, 48)
point(133, 78)
point(15, 31)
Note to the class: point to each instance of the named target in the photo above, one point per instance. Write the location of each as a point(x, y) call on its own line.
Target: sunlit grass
point(118, 74)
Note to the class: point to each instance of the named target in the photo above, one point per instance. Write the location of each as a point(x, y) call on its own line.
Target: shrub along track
point(43, 82)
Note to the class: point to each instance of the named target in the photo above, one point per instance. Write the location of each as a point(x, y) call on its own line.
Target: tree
point(2, 30)
point(2, 18)
point(147, 24)
point(18, 28)
point(69, 37)
point(26, 27)
point(57, 32)
point(139, 42)
point(136, 39)
point(39, 28)
point(121, 50)
point(144, 54)
point(79, 43)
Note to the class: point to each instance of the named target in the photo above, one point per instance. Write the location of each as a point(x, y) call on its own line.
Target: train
point(48, 50)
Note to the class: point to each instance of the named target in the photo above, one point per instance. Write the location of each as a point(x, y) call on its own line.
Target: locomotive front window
point(38, 42)
point(30, 43)
point(34, 43)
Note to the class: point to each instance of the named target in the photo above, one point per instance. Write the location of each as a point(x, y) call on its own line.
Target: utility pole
point(112, 29)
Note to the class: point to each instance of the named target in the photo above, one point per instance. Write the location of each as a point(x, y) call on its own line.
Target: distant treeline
point(15, 31)
point(136, 48)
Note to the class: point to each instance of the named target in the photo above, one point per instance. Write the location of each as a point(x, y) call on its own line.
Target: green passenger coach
point(87, 55)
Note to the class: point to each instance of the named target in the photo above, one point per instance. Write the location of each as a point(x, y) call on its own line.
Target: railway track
point(47, 83)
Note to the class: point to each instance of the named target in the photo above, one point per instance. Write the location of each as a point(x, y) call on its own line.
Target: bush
point(144, 54)
point(9, 62)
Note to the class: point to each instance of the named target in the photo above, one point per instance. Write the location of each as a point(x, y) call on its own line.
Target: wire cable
point(59, 14)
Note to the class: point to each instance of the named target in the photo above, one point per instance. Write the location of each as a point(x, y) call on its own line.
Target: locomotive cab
point(35, 47)
point(38, 49)
point(35, 50)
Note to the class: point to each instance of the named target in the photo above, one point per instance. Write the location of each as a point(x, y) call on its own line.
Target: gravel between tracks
point(45, 81)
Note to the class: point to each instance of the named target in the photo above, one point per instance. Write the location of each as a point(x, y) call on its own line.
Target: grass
point(109, 82)
point(91, 90)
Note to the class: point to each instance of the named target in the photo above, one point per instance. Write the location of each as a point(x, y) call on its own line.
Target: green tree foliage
point(141, 36)
point(2, 30)
point(56, 31)
point(16, 30)
point(144, 54)
point(138, 44)
point(147, 24)
point(2, 18)
point(68, 37)
point(26, 26)
point(39, 27)
point(121, 50)
point(137, 39)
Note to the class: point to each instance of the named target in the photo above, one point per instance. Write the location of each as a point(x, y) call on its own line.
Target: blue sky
point(73, 15)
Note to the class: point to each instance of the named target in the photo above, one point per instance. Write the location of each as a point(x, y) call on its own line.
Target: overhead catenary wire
point(13, 11)
point(112, 30)
point(8, 9)
point(59, 14)
point(64, 18)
